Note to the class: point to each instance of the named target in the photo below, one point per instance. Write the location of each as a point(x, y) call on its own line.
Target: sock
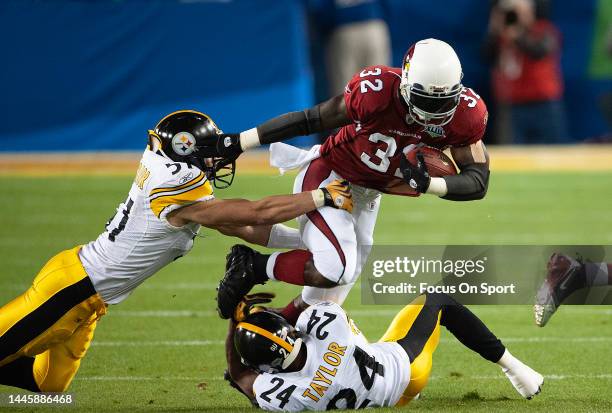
point(282, 236)
point(288, 266)
point(507, 361)
point(291, 313)
point(19, 373)
point(468, 328)
point(260, 263)
point(598, 274)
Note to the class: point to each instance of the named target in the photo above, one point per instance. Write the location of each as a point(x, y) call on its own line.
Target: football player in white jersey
point(45, 332)
point(326, 363)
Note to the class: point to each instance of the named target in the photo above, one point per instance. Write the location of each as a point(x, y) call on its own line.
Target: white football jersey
point(138, 240)
point(342, 369)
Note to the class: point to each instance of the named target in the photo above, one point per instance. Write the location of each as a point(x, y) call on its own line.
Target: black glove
point(228, 145)
point(416, 176)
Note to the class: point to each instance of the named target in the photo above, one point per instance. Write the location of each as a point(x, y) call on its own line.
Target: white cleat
point(525, 380)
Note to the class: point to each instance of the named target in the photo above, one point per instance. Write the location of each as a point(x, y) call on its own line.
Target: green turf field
point(161, 350)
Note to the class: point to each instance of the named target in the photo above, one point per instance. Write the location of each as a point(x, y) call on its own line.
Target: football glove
point(338, 195)
point(228, 145)
point(249, 305)
point(238, 280)
point(416, 176)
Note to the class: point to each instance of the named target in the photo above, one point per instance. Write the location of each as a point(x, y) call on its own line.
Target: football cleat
point(525, 380)
point(238, 280)
point(564, 276)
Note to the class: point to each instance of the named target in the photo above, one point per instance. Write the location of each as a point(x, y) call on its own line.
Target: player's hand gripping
point(249, 305)
point(336, 194)
point(416, 176)
point(228, 145)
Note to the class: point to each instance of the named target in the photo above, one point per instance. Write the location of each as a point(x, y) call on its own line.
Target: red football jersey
point(367, 152)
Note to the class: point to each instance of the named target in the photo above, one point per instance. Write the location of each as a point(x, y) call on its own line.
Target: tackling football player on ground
point(326, 363)
point(46, 331)
point(384, 113)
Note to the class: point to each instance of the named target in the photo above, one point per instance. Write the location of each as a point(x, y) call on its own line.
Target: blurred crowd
point(522, 47)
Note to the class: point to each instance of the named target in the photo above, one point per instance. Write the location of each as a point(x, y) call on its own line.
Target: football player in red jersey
point(383, 113)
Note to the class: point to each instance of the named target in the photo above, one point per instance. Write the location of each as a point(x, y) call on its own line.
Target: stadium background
point(92, 76)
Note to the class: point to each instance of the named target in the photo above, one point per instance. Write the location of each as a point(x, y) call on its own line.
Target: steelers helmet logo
point(183, 143)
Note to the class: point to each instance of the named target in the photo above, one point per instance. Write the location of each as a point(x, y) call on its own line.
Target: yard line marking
point(607, 376)
point(162, 313)
point(170, 343)
point(180, 286)
point(143, 378)
point(554, 339)
point(202, 343)
point(546, 377)
point(354, 313)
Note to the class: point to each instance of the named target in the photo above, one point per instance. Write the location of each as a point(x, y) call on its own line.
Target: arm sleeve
point(471, 184)
point(290, 124)
point(187, 186)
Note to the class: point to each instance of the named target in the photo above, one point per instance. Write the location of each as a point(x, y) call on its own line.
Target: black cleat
point(239, 279)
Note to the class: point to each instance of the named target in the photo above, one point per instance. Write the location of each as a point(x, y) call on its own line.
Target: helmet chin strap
point(293, 355)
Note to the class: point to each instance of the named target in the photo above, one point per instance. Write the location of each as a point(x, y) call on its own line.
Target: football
point(438, 163)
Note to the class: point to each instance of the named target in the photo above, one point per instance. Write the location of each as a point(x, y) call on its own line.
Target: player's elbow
point(479, 178)
point(478, 194)
point(481, 193)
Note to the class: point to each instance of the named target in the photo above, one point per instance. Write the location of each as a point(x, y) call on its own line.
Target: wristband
point(437, 186)
point(249, 139)
point(318, 196)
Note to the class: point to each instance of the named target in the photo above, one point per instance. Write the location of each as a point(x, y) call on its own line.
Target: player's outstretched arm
point(271, 236)
point(254, 234)
point(270, 210)
point(328, 115)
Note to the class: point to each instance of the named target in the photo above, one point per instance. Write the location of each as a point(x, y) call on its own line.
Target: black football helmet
point(266, 342)
point(190, 136)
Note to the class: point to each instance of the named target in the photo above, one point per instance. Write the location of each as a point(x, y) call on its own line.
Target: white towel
point(286, 157)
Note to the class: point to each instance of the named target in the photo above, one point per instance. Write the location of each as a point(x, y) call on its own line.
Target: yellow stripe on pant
point(404, 323)
point(53, 321)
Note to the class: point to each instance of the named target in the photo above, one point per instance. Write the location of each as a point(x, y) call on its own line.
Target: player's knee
point(313, 278)
point(330, 268)
point(55, 387)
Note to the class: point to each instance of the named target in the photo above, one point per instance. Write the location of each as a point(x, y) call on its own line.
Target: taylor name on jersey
point(367, 152)
point(342, 369)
